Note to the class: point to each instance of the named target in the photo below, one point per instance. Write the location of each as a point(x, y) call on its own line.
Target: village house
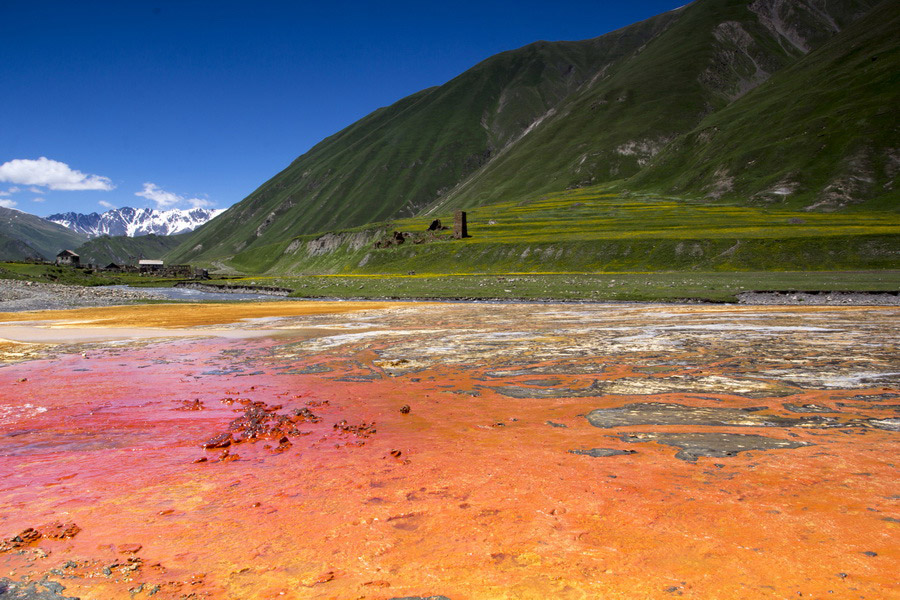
point(148, 266)
point(68, 258)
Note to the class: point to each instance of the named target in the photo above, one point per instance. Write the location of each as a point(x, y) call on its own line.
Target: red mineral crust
point(576, 460)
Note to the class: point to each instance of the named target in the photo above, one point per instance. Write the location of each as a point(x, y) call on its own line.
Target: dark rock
point(807, 408)
point(59, 531)
point(887, 424)
point(602, 452)
point(223, 440)
point(305, 415)
point(32, 590)
point(660, 413)
point(362, 430)
point(713, 444)
point(25, 538)
point(435, 225)
point(523, 392)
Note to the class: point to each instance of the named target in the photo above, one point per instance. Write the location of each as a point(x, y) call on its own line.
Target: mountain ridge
point(131, 222)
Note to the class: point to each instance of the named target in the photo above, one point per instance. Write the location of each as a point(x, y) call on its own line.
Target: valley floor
point(395, 450)
point(770, 287)
point(690, 286)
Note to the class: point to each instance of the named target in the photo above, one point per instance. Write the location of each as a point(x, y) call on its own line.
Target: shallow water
point(189, 295)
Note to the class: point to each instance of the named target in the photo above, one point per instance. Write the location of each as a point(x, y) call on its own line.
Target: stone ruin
point(432, 234)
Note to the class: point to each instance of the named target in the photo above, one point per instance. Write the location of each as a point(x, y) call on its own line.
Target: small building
point(146, 266)
point(68, 258)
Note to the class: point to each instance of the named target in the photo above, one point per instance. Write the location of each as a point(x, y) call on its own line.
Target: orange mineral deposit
point(461, 451)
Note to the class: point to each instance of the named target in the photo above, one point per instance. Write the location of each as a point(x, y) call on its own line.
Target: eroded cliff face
point(801, 25)
point(463, 451)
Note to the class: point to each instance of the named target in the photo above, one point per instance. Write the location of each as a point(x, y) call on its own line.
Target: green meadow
point(598, 287)
point(600, 230)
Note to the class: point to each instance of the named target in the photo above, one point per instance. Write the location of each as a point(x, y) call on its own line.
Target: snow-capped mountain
point(135, 221)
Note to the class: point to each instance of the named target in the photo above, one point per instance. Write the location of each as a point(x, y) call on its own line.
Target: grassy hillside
point(630, 106)
point(22, 235)
point(127, 250)
point(15, 249)
point(599, 230)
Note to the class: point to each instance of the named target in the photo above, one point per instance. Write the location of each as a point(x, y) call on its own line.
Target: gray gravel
point(18, 296)
point(821, 298)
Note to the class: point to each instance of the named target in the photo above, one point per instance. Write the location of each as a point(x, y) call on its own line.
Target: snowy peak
point(136, 221)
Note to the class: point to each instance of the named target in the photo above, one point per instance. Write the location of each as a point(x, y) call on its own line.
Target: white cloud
point(51, 174)
point(8, 203)
point(106, 204)
point(162, 198)
point(166, 199)
point(9, 192)
point(38, 199)
point(199, 203)
point(35, 190)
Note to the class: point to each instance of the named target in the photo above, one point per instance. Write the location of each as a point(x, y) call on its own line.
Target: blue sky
point(186, 103)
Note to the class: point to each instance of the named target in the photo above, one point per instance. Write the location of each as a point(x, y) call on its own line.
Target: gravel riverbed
point(16, 296)
point(820, 298)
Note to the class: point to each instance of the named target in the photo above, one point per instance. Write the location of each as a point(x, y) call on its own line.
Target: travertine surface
point(468, 451)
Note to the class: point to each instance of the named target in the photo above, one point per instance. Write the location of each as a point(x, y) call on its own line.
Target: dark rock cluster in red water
point(31, 535)
point(261, 421)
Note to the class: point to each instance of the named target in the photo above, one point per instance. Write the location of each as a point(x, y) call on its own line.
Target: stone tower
point(460, 229)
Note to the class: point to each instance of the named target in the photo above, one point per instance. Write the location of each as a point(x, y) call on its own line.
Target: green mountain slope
point(125, 250)
point(14, 249)
point(716, 52)
point(397, 160)
point(20, 231)
point(821, 134)
point(630, 106)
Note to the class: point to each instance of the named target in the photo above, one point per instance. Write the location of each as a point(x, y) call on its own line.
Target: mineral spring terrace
point(453, 451)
